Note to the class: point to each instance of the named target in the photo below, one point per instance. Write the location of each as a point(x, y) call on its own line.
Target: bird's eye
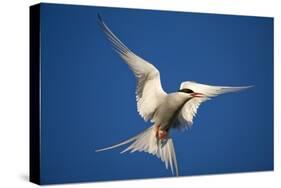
point(186, 90)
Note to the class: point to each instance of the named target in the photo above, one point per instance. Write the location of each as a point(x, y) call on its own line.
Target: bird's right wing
point(189, 110)
point(149, 91)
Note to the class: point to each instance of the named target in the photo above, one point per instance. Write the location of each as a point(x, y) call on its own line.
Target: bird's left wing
point(189, 110)
point(149, 91)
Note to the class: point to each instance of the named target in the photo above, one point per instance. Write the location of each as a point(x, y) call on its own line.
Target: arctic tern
point(166, 111)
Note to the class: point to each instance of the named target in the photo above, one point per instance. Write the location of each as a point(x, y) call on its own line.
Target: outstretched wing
point(189, 110)
point(149, 91)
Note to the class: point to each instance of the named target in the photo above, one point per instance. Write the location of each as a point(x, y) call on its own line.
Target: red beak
point(197, 94)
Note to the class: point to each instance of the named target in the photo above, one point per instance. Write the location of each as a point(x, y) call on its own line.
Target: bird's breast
point(168, 110)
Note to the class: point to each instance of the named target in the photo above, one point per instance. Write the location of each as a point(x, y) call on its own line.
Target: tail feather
point(118, 145)
point(146, 141)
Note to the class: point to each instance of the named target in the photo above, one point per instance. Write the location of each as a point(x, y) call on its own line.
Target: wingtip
point(250, 86)
point(246, 87)
point(237, 89)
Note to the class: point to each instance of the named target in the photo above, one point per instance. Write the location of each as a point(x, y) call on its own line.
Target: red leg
point(157, 130)
point(160, 134)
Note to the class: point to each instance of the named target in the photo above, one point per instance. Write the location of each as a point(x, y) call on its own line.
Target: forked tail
point(148, 142)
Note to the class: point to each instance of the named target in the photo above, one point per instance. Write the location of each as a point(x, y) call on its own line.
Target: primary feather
point(149, 92)
point(189, 110)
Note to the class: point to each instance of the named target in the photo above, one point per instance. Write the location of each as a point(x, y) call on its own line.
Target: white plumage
point(165, 111)
point(189, 110)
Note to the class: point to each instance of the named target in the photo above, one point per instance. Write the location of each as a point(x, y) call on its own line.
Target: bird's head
point(207, 91)
point(194, 89)
point(191, 93)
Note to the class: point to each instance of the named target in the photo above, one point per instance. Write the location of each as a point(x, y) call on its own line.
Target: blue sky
point(88, 93)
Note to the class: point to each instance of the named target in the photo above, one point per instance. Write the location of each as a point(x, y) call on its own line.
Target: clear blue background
point(88, 93)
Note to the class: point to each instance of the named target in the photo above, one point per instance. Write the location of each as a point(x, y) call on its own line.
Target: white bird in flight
point(165, 111)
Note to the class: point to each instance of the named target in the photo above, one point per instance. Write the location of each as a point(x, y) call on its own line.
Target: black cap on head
point(185, 90)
